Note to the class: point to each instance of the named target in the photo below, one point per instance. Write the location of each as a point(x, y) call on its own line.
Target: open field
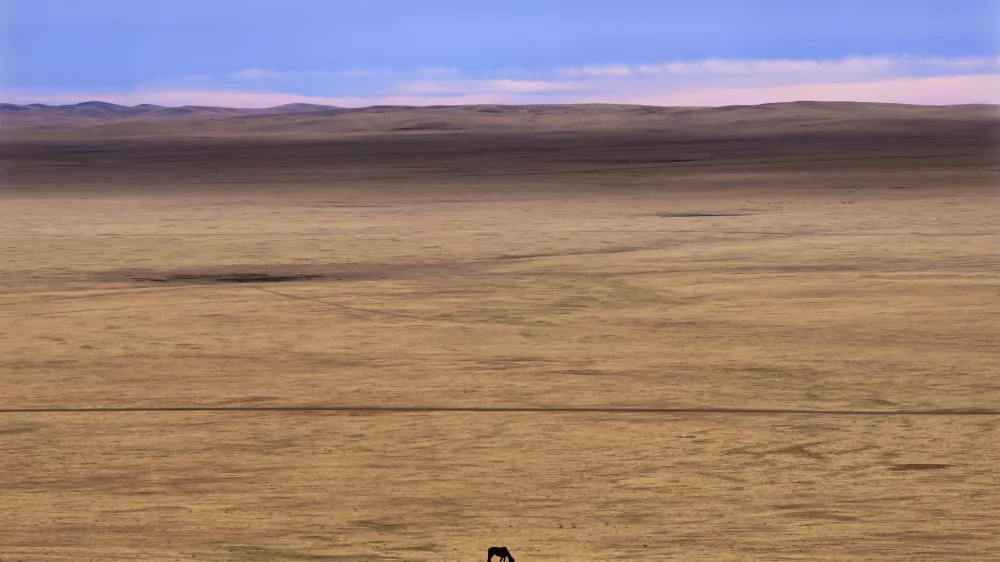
point(848, 270)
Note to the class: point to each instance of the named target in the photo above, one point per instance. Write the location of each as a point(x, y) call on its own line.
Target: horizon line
point(443, 106)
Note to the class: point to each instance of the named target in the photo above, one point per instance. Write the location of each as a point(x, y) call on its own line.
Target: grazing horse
point(500, 551)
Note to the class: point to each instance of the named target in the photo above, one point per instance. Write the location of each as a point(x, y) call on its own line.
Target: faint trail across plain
point(503, 409)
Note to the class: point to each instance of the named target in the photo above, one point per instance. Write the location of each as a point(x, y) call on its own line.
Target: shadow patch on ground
point(918, 466)
point(694, 215)
point(228, 278)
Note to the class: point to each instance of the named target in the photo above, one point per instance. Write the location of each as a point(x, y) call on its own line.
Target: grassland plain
point(443, 270)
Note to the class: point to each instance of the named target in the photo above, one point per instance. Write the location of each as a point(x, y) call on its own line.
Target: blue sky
point(255, 53)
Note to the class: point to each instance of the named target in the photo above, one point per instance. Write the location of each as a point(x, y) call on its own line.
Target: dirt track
point(487, 409)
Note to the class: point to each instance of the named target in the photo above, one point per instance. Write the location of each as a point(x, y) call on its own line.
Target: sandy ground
point(803, 277)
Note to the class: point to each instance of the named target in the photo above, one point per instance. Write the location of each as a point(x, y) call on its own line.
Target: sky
point(260, 53)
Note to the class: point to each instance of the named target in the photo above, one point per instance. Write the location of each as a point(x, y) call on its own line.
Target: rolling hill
point(47, 117)
point(105, 120)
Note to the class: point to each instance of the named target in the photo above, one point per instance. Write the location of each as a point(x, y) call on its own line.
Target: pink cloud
point(531, 86)
point(935, 90)
point(492, 87)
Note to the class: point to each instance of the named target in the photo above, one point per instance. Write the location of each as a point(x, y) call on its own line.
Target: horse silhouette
point(500, 551)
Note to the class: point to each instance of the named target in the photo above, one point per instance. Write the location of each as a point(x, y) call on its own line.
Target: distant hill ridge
point(105, 119)
point(96, 112)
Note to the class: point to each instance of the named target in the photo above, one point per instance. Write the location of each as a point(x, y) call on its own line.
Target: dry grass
point(451, 280)
point(446, 486)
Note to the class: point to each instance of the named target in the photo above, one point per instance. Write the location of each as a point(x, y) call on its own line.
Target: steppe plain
point(735, 262)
